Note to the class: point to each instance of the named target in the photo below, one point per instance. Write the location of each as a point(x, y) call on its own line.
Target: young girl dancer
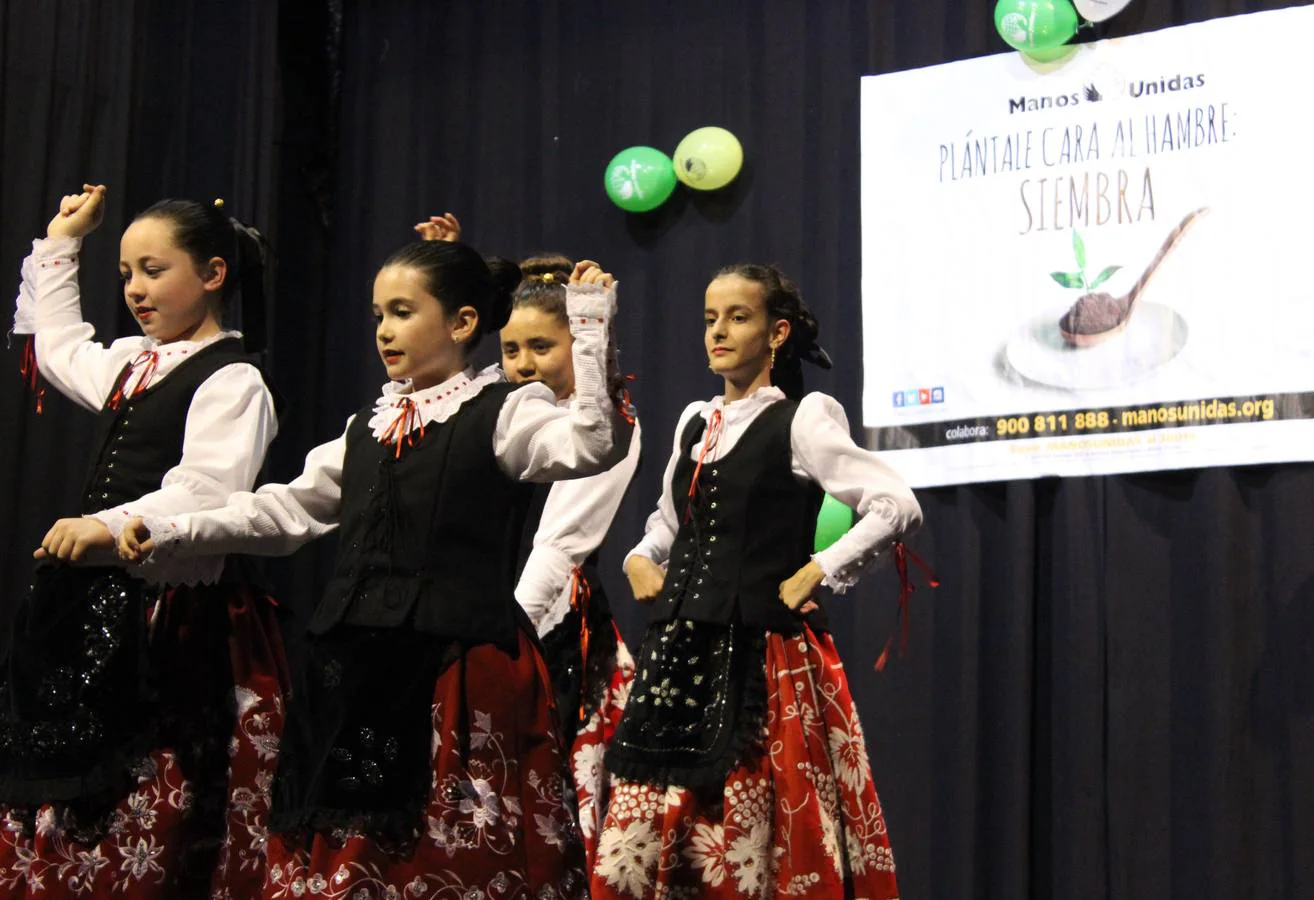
point(140, 712)
point(559, 586)
point(740, 764)
point(421, 757)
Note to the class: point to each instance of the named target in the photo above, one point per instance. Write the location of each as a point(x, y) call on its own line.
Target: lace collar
point(433, 404)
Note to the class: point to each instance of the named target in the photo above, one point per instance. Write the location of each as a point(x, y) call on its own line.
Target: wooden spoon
point(1097, 317)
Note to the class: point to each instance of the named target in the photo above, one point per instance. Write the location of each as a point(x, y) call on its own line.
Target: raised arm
point(49, 306)
point(536, 440)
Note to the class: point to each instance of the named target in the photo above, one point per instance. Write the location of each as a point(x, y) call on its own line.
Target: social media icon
point(937, 395)
point(898, 398)
point(924, 396)
point(909, 398)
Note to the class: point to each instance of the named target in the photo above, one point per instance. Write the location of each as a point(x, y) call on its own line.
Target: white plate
point(1154, 336)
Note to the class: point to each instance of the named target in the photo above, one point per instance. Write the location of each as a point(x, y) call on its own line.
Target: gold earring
point(773, 357)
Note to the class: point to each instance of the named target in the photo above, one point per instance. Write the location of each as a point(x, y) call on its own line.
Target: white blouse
point(574, 523)
point(533, 440)
point(822, 452)
point(230, 422)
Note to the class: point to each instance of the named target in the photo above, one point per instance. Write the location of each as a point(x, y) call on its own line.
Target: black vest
point(751, 528)
point(430, 538)
point(143, 439)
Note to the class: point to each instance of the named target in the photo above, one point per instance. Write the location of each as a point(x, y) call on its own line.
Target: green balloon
point(1030, 25)
point(833, 522)
point(639, 179)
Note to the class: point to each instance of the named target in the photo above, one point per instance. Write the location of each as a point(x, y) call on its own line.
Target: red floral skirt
point(177, 833)
point(801, 819)
point(496, 824)
point(588, 751)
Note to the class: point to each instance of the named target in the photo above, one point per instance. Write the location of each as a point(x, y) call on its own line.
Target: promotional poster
point(1093, 264)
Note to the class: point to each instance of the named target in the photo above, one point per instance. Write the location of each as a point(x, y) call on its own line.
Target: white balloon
point(1099, 10)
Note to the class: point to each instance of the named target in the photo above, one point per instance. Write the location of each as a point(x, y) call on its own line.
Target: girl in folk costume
point(559, 585)
point(140, 711)
point(740, 765)
point(420, 756)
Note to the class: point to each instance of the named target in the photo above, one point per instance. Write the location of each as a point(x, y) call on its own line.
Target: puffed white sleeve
point(887, 511)
point(574, 523)
point(275, 520)
point(662, 525)
point(49, 306)
point(536, 440)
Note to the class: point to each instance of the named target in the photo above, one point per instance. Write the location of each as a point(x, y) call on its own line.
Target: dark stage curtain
point(1112, 694)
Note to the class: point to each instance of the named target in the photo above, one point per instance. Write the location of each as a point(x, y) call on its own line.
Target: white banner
point(1097, 264)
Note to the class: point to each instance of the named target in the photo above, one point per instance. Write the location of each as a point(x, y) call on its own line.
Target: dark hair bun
point(803, 328)
point(506, 278)
point(553, 264)
point(252, 246)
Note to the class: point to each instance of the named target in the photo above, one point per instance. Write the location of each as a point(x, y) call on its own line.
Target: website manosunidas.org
point(1262, 408)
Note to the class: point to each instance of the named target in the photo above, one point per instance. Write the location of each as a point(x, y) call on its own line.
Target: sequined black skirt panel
point(76, 699)
point(356, 750)
point(695, 709)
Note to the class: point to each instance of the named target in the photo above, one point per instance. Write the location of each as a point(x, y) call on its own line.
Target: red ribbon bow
point(147, 361)
point(625, 403)
point(399, 432)
point(901, 556)
point(580, 594)
point(31, 374)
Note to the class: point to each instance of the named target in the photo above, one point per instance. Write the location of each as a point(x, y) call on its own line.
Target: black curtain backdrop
point(1111, 696)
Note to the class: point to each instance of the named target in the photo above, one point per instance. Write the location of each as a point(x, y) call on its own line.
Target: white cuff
point(162, 566)
point(51, 248)
point(556, 612)
point(590, 301)
point(846, 560)
point(114, 520)
point(546, 570)
point(838, 579)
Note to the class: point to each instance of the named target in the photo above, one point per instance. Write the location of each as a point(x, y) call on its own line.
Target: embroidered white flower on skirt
point(588, 763)
point(139, 859)
point(748, 858)
point(706, 851)
point(848, 754)
point(480, 802)
point(625, 856)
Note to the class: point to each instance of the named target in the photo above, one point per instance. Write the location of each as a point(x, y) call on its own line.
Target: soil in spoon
point(1094, 314)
